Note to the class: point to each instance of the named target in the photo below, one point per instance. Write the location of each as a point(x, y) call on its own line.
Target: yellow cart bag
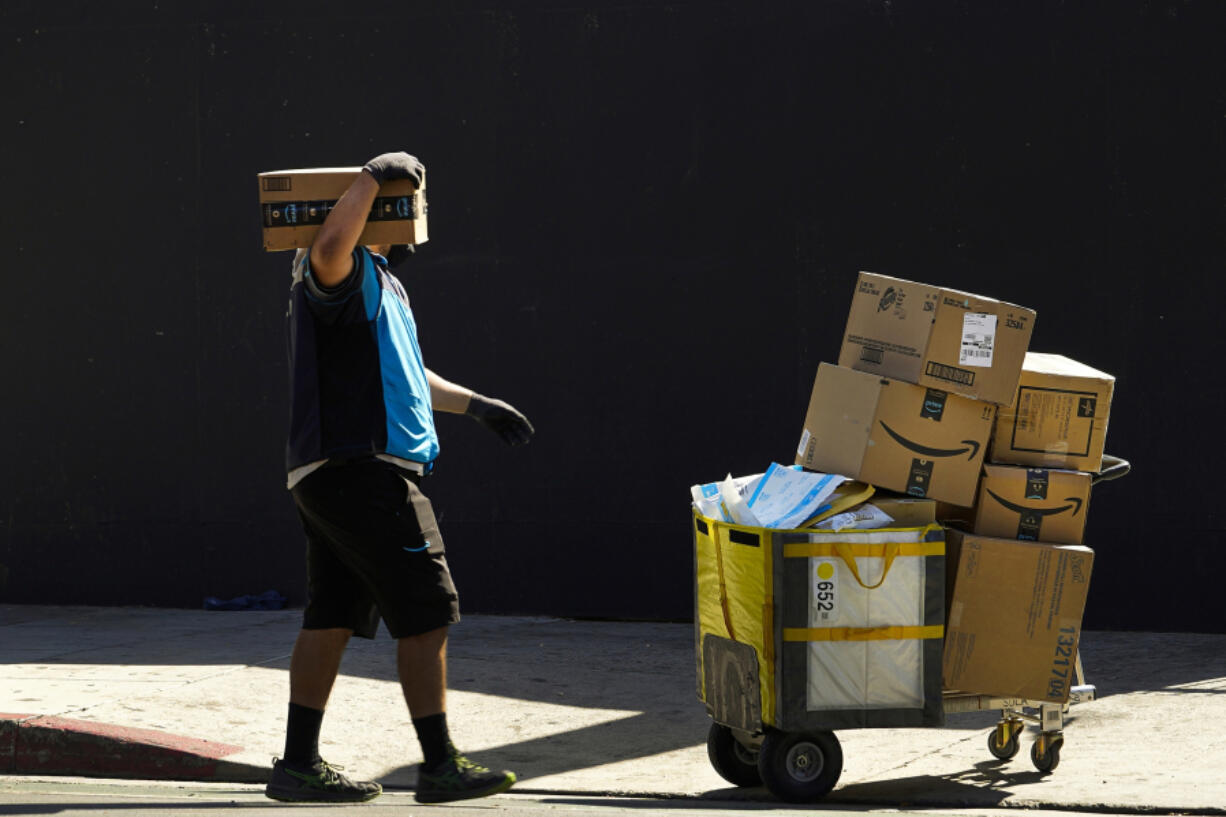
point(809, 629)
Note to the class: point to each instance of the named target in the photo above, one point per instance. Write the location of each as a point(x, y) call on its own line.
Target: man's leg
point(422, 663)
point(445, 774)
point(302, 775)
point(314, 665)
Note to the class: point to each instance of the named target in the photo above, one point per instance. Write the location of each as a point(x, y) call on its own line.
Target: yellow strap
point(862, 549)
point(768, 630)
point(723, 588)
point(845, 553)
point(862, 633)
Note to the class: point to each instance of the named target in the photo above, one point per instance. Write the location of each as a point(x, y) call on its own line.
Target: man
point(361, 440)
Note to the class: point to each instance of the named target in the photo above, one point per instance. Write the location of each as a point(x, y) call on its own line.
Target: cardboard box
point(1036, 504)
point(917, 441)
point(957, 516)
point(939, 338)
point(1058, 417)
point(1015, 614)
point(906, 511)
point(294, 203)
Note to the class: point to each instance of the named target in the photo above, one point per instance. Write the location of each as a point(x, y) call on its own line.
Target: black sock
point(302, 735)
point(434, 739)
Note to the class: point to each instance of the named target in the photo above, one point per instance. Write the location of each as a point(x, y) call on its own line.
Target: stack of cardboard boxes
point(936, 395)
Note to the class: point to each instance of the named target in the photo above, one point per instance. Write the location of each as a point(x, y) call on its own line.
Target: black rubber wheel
point(1007, 751)
point(1050, 759)
point(800, 767)
point(734, 762)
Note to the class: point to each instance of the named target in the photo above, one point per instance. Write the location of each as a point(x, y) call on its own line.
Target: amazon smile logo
point(972, 446)
point(1074, 503)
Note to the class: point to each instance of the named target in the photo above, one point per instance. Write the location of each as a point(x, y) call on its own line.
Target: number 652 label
point(825, 598)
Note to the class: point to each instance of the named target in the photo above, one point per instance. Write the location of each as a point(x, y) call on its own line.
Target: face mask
point(398, 254)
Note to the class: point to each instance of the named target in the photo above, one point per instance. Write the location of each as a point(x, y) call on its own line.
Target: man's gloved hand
point(500, 418)
point(398, 254)
point(388, 166)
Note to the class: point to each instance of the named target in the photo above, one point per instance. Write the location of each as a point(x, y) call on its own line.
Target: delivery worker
point(361, 441)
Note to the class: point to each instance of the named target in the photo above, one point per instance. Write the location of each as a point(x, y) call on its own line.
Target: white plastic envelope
point(786, 497)
point(726, 500)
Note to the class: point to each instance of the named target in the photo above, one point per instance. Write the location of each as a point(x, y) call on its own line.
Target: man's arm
point(496, 415)
point(332, 252)
point(448, 396)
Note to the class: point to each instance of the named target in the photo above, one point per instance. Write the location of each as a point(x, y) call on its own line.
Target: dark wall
point(646, 221)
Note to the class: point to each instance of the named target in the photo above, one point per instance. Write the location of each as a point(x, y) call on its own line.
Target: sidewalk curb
point(51, 745)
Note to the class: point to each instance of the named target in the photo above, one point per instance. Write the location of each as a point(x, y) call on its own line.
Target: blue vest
point(358, 386)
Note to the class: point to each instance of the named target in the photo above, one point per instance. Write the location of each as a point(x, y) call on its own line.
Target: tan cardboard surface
point(1058, 418)
point(294, 203)
point(907, 511)
point(941, 338)
point(839, 422)
point(1038, 504)
point(1015, 617)
point(895, 435)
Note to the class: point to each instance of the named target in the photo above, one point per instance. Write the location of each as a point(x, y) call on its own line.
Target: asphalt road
point(93, 798)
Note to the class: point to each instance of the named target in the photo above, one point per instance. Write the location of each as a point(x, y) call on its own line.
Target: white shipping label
point(978, 339)
point(824, 606)
point(804, 443)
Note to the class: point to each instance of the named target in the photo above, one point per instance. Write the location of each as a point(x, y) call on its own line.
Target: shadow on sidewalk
point(981, 787)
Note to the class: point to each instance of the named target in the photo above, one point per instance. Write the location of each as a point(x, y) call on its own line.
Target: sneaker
point(321, 783)
point(458, 778)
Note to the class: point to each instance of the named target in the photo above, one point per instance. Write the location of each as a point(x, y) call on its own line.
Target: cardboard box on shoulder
point(940, 338)
point(294, 203)
point(1058, 417)
point(1014, 616)
point(1035, 504)
point(917, 441)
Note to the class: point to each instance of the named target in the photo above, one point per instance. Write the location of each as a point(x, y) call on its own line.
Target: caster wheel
point(1049, 759)
point(1005, 750)
point(800, 767)
point(734, 762)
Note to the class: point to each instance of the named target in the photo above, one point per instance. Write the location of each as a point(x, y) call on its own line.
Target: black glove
point(500, 418)
point(388, 166)
point(398, 254)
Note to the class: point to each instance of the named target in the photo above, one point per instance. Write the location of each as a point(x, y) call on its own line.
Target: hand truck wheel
point(1003, 741)
point(800, 767)
point(1045, 752)
point(735, 762)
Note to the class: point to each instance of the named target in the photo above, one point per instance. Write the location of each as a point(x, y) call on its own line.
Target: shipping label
point(978, 339)
point(1053, 420)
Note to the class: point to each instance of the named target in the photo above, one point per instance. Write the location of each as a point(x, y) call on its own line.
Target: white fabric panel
point(866, 674)
point(837, 675)
point(896, 674)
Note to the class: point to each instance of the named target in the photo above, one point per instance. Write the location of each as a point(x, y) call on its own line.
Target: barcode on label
point(870, 354)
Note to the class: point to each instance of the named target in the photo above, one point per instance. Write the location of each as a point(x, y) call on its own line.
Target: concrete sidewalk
point(571, 706)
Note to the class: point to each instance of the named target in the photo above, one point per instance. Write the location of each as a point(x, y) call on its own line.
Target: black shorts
point(373, 550)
